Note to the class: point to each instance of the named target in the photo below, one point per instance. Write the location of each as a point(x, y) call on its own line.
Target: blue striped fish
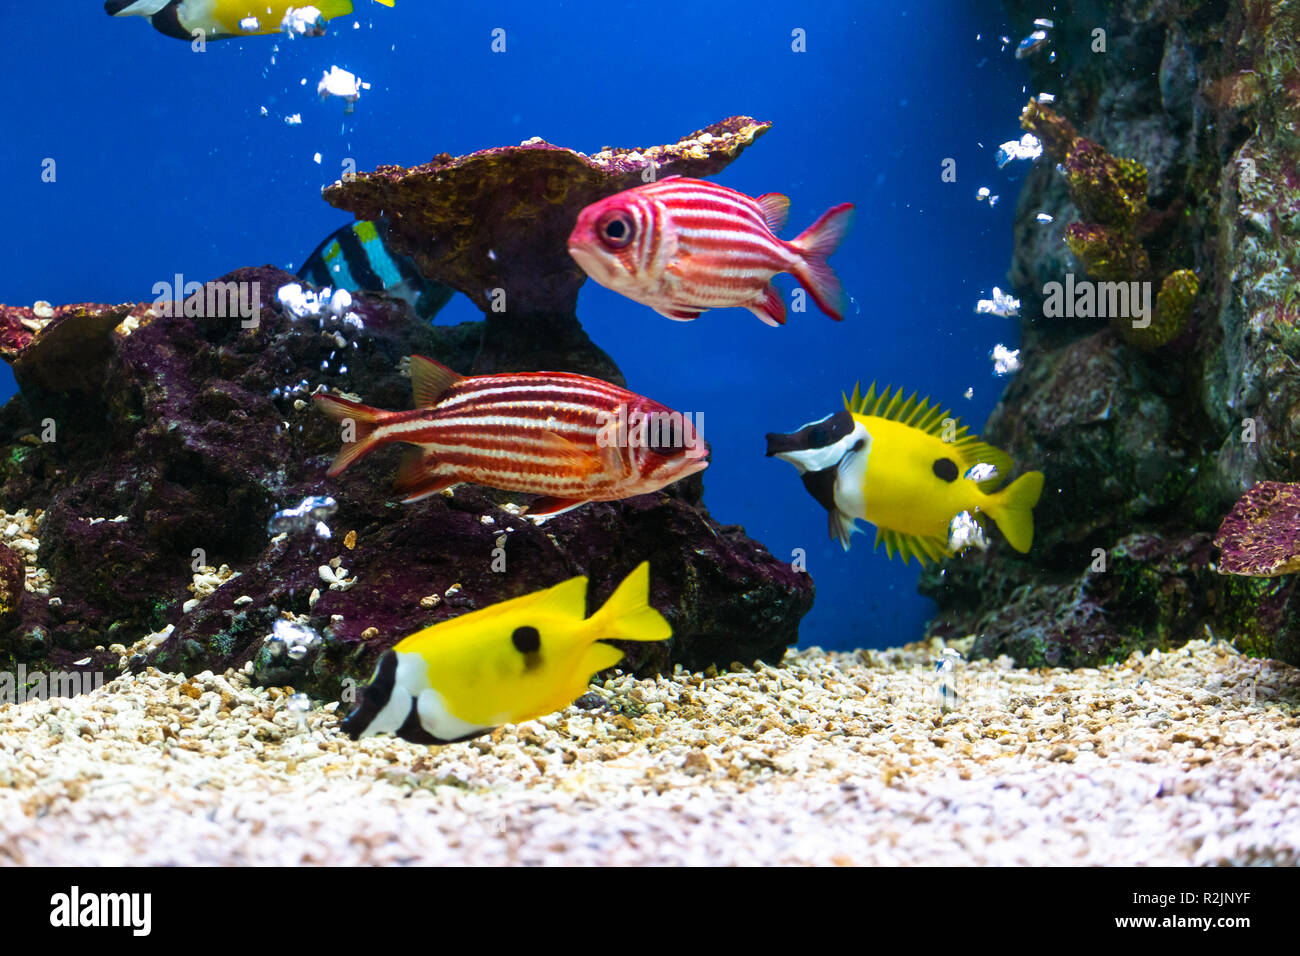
point(356, 258)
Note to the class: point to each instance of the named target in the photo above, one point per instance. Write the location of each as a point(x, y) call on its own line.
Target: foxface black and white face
point(818, 445)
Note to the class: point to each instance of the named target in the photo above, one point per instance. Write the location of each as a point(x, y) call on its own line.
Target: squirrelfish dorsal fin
point(775, 208)
point(429, 379)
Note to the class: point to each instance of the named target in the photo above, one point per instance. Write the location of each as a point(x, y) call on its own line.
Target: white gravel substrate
point(1187, 757)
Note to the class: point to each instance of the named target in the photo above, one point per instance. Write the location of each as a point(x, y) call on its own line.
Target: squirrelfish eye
point(615, 229)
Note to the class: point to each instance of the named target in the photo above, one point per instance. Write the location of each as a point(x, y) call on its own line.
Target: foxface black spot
point(945, 469)
point(526, 639)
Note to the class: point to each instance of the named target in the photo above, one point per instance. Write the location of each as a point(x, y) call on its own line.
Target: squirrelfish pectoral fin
point(679, 315)
point(576, 460)
point(548, 507)
point(429, 380)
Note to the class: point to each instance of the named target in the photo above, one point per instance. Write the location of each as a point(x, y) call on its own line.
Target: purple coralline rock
point(1260, 537)
point(201, 428)
point(494, 225)
point(63, 349)
point(12, 585)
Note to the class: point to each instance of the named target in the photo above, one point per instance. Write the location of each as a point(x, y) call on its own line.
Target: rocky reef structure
point(1111, 195)
point(149, 448)
point(523, 201)
point(1145, 451)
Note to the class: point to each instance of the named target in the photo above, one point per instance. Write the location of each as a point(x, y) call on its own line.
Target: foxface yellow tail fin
point(627, 615)
point(1012, 509)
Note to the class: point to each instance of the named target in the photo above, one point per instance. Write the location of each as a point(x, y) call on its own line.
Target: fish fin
point(329, 9)
point(1012, 509)
point(679, 315)
point(814, 245)
point(595, 659)
point(567, 599)
point(429, 379)
point(548, 506)
point(413, 479)
point(841, 527)
point(627, 615)
point(916, 412)
point(909, 546)
point(581, 461)
point(366, 420)
point(387, 3)
point(971, 451)
point(771, 310)
point(613, 462)
point(776, 210)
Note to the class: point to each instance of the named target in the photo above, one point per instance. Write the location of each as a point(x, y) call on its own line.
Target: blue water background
point(165, 165)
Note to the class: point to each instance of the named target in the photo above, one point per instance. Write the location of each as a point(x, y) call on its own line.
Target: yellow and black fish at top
point(357, 258)
point(221, 19)
point(908, 467)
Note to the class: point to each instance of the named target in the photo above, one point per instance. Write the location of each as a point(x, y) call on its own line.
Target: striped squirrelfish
point(507, 663)
point(682, 246)
point(564, 437)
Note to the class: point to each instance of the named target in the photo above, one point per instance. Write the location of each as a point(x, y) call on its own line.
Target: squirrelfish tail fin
point(1012, 509)
point(627, 615)
point(815, 244)
point(365, 420)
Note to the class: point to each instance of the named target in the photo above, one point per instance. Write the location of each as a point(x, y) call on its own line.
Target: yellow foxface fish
point(219, 19)
point(507, 663)
point(907, 467)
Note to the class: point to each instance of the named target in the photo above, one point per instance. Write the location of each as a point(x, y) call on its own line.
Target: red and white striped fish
point(682, 246)
point(554, 434)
